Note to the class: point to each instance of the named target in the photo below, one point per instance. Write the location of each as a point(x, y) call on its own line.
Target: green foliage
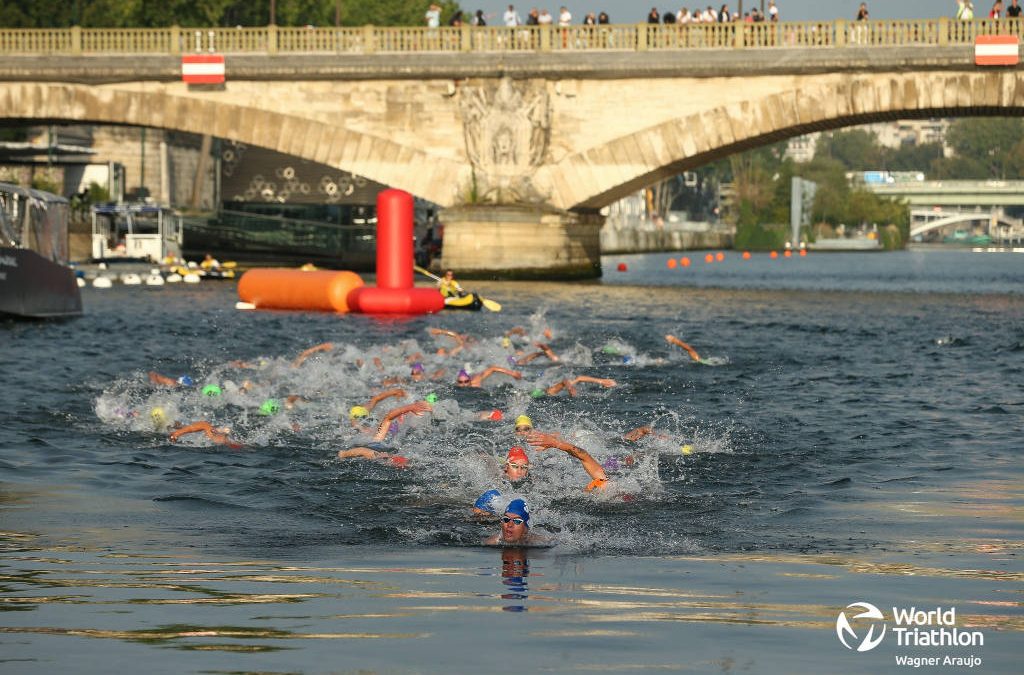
point(855, 149)
point(158, 13)
point(41, 181)
point(757, 237)
point(992, 144)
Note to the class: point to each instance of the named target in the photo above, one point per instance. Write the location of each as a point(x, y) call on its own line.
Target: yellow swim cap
point(358, 411)
point(524, 421)
point(158, 416)
point(686, 449)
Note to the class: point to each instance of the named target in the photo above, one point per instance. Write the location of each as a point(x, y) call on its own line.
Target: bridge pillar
point(520, 242)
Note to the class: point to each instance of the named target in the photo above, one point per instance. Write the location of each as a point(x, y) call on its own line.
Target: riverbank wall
point(636, 240)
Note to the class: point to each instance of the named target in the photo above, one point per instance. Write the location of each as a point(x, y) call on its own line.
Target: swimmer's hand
point(540, 441)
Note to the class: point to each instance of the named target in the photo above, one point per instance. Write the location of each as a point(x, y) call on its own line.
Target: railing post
point(272, 39)
point(369, 45)
point(943, 30)
point(175, 38)
point(76, 39)
point(641, 37)
point(738, 37)
point(467, 37)
point(840, 29)
point(545, 38)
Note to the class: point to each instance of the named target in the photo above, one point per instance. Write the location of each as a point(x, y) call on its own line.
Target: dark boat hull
point(33, 287)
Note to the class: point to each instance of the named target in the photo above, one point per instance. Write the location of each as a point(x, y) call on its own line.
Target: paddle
point(492, 305)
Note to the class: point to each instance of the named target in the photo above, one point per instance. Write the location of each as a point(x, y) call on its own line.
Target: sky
point(635, 11)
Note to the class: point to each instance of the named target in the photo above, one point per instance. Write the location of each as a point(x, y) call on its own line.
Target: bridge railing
point(404, 40)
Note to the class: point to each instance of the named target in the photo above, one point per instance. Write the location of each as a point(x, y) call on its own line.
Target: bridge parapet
point(408, 39)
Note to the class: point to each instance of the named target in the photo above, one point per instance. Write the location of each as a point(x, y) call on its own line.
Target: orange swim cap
point(399, 461)
point(517, 454)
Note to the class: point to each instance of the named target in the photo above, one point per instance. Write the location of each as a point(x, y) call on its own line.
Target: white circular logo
point(843, 629)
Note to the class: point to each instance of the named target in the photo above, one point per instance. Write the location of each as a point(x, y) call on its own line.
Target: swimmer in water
point(542, 441)
point(570, 385)
point(376, 449)
point(384, 395)
point(464, 379)
point(322, 347)
point(515, 528)
point(524, 425)
point(216, 434)
point(543, 350)
point(460, 341)
point(673, 340)
point(516, 469)
point(164, 381)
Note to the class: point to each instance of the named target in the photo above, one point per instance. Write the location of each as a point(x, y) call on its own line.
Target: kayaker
point(449, 287)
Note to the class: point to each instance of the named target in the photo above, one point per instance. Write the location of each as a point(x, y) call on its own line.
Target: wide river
point(854, 435)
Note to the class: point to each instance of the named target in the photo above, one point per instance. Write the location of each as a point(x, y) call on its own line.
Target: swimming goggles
point(517, 521)
point(523, 428)
point(521, 467)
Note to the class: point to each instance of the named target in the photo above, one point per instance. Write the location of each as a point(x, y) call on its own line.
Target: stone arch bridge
point(521, 150)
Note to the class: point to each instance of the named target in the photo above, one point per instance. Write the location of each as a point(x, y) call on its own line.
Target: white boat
point(135, 232)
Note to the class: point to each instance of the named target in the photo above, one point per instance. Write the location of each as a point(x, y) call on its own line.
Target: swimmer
point(673, 340)
point(164, 381)
point(390, 393)
point(570, 385)
point(544, 350)
point(524, 425)
point(460, 341)
point(217, 435)
point(516, 469)
point(543, 441)
point(464, 379)
point(301, 358)
point(515, 527)
point(375, 450)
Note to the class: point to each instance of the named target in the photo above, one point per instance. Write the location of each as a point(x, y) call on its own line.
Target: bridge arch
point(164, 107)
point(598, 176)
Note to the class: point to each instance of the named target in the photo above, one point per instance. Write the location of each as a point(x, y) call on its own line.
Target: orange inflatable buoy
point(803, 252)
point(788, 254)
point(276, 288)
point(622, 267)
point(685, 262)
point(773, 255)
point(671, 263)
point(746, 255)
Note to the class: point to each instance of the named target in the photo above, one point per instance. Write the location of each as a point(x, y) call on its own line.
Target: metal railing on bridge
point(406, 40)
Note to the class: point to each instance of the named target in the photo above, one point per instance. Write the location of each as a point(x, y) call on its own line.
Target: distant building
point(892, 135)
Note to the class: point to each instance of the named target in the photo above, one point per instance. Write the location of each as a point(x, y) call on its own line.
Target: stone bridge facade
point(521, 150)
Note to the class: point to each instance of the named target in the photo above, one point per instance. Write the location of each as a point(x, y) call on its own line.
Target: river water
point(854, 435)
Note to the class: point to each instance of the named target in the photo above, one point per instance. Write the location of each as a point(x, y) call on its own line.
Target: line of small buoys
point(719, 256)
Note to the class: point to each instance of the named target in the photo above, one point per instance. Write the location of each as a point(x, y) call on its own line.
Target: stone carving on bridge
point(507, 128)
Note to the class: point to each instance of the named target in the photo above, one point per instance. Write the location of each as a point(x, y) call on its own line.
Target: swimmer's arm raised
point(390, 393)
point(543, 441)
point(672, 339)
point(417, 408)
point(322, 347)
point(478, 379)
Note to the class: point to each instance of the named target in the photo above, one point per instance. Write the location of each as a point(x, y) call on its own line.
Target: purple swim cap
point(417, 367)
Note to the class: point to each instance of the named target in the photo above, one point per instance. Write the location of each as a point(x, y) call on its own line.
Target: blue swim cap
point(627, 359)
point(486, 501)
point(185, 381)
point(518, 507)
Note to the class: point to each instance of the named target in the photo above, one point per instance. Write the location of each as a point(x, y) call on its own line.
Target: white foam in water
point(454, 454)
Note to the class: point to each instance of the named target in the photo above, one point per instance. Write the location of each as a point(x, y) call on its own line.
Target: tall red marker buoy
point(395, 293)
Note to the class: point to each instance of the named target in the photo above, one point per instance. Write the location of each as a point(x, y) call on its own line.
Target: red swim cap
point(496, 415)
point(517, 454)
point(399, 461)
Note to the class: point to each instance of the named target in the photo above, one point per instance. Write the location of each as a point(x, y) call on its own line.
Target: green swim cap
point(270, 407)
point(211, 390)
point(538, 392)
point(431, 398)
point(610, 349)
